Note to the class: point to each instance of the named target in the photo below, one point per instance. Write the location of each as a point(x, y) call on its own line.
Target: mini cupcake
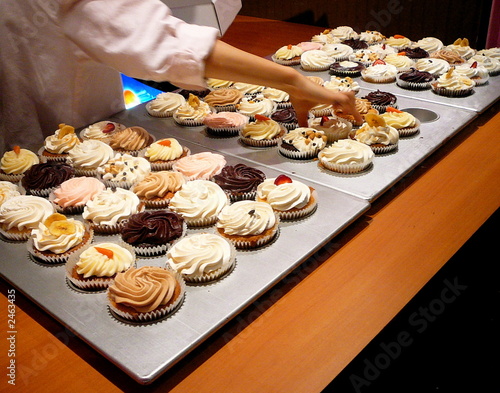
point(15, 163)
point(451, 57)
point(338, 83)
point(57, 237)
point(20, 214)
point(248, 224)
point(378, 135)
point(338, 52)
point(290, 199)
point(224, 100)
point(87, 156)
point(201, 258)
point(199, 202)
point(429, 44)
point(405, 123)
point(200, 166)
point(72, 195)
point(239, 181)
point(332, 126)
point(102, 130)
point(150, 233)
point(123, 170)
point(256, 106)
point(192, 113)
point(356, 44)
point(475, 71)
point(165, 104)
point(41, 179)
point(57, 146)
point(436, 67)
point(225, 124)
point(400, 61)
point(9, 190)
point(157, 189)
point(94, 267)
point(287, 55)
point(380, 72)
point(303, 143)
point(346, 156)
point(109, 210)
point(286, 118)
point(315, 60)
point(145, 294)
point(414, 79)
point(462, 48)
point(380, 100)
point(164, 153)
point(131, 140)
point(346, 68)
point(263, 132)
point(398, 41)
point(280, 97)
point(453, 84)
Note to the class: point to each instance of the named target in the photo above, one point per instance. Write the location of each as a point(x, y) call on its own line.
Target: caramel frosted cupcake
point(94, 267)
point(9, 190)
point(248, 224)
point(302, 143)
point(263, 132)
point(224, 99)
point(131, 140)
point(202, 257)
point(123, 171)
point(375, 133)
point(15, 163)
point(165, 104)
point(145, 294)
point(451, 57)
point(225, 123)
point(57, 146)
point(151, 232)
point(346, 156)
point(20, 214)
point(200, 166)
point(453, 84)
point(157, 188)
point(87, 156)
point(57, 237)
point(290, 199)
point(41, 179)
point(405, 123)
point(287, 55)
point(72, 195)
point(192, 113)
point(102, 130)
point(239, 181)
point(164, 153)
point(333, 127)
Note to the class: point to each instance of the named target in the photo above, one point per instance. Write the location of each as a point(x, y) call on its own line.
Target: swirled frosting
point(46, 175)
point(198, 199)
point(490, 52)
point(344, 32)
point(91, 262)
point(153, 227)
point(109, 207)
point(275, 95)
point(306, 139)
point(430, 44)
point(90, 154)
point(401, 62)
point(415, 52)
point(371, 135)
point(355, 43)
point(380, 71)
point(223, 97)
point(45, 240)
point(14, 163)
point(200, 254)
point(60, 143)
point(398, 41)
point(77, 191)
point(102, 130)
point(315, 59)
point(248, 88)
point(286, 115)
point(399, 120)
point(325, 38)
point(465, 52)
point(490, 63)
point(239, 179)
point(159, 184)
point(202, 165)
point(246, 218)
point(449, 56)
point(381, 98)
point(432, 65)
point(284, 196)
point(416, 76)
point(261, 129)
point(454, 81)
point(225, 120)
point(333, 127)
point(24, 212)
point(144, 289)
point(473, 72)
point(383, 50)
point(347, 152)
point(338, 51)
point(258, 105)
point(288, 52)
point(164, 151)
point(165, 103)
point(8, 190)
point(218, 83)
point(124, 168)
point(131, 139)
point(192, 110)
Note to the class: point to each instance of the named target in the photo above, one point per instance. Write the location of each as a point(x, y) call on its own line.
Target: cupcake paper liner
point(408, 131)
point(344, 168)
point(55, 158)
point(290, 62)
point(241, 243)
point(384, 149)
point(224, 132)
point(412, 85)
point(452, 93)
point(11, 178)
point(298, 155)
point(378, 79)
point(16, 235)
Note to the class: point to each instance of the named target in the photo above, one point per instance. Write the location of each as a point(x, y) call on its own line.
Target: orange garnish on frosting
point(402, 54)
point(398, 36)
point(17, 149)
point(289, 46)
point(105, 251)
point(261, 117)
point(392, 109)
point(165, 142)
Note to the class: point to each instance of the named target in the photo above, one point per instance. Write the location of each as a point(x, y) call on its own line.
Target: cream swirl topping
point(399, 119)
point(399, 61)
point(24, 212)
point(306, 139)
point(347, 152)
point(344, 32)
point(246, 218)
point(275, 95)
point(14, 163)
point(192, 110)
point(46, 240)
point(102, 130)
point(248, 88)
point(90, 154)
point(429, 44)
point(337, 83)
point(222, 97)
point(333, 127)
point(432, 65)
point(92, 262)
point(315, 59)
point(398, 41)
point(490, 63)
point(202, 165)
point(159, 184)
point(166, 102)
point(165, 149)
point(463, 51)
point(476, 72)
point(60, 143)
point(288, 52)
point(370, 135)
point(285, 196)
point(337, 51)
point(77, 191)
point(381, 70)
point(253, 106)
point(218, 83)
point(8, 190)
point(111, 206)
point(371, 36)
point(261, 129)
point(454, 81)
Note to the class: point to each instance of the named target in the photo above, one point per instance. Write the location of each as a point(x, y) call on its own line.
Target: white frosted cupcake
point(165, 104)
point(405, 123)
point(338, 52)
point(164, 153)
point(475, 71)
point(57, 146)
point(436, 67)
point(400, 61)
point(380, 72)
point(87, 156)
point(334, 127)
point(256, 106)
point(280, 97)
point(15, 163)
point(9, 190)
point(315, 60)
point(287, 55)
point(375, 133)
point(346, 156)
point(263, 132)
point(429, 44)
point(338, 83)
point(453, 84)
point(192, 113)
point(102, 130)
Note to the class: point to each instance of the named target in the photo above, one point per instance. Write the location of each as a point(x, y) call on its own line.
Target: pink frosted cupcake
point(200, 166)
point(225, 123)
point(72, 195)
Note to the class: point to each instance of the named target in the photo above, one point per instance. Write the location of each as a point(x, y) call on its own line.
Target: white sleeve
point(139, 38)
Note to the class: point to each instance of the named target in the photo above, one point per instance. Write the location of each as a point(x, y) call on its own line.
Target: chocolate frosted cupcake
point(239, 181)
point(42, 178)
point(414, 79)
point(355, 44)
point(151, 232)
point(346, 68)
point(286, 117)
point(415, 53)
point(380, 100)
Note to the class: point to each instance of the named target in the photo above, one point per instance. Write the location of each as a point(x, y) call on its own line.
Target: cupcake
point(57, 146)
point(375, 133)
point(280, 97)
point(131, 140)
point(315, 60)
point(400, 61)
point(151, 232)
point(201, 258)
point(57, 237)
point(248, 224)
point(332, 126)
point(451, 57)
point(8, 190)
point(429, 44)
point(414, 79)
point(287, 55)
point(415, 52)
point(405, 123)
point(462, 48)
point(199, 202)
point(157, 188)
point(109, 210)
point(95, 266)
point(263, 132)
point(214, 83)
point(192, 113)
point(324, 38)
point(338, 52)
point(398, 41)
point(372, 37)
point(123, 170)
point(346, 68)
point(164, 153)
point(365, 57)
point(344, 33)
point(15, 163)
point(436, 67)
point(72, 195)
point(380, 72)
point(165, 104)
point(346, 156)
point(338, 83)
point(20, 214)
point(224, 100)
point(286, 117)
point(248, 89)
point(256, 106)
point(490, 63)
point(316, 79)
point(200, 166)
point(145, 294)
point(383, 50)
point(380, 100)
point(290, 199)
point(453, 84)
point(475, 71)
point(302, 143)
point(225, 123)
point(319, 110)
point(309, 45)
point(87, 156)
point(489, 52)
point(363, 106)
point(239, 181)
point(42, 178)
point(356, 44)
point(102, 130)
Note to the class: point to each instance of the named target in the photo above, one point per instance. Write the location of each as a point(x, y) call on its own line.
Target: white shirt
point(60, 60)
